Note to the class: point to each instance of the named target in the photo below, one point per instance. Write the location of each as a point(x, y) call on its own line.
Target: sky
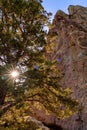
point(54, 5)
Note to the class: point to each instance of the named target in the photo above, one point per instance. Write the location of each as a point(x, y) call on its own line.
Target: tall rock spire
point(70, 45)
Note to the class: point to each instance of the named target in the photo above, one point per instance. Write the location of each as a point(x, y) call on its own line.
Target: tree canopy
point(22, 36)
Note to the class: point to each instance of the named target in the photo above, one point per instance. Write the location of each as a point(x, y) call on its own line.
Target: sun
point(11, 74)
point(14, 74)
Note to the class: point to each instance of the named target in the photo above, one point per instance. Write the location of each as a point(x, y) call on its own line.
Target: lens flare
point(14, 74)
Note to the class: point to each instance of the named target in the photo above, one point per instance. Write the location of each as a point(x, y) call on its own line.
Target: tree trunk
point(3, 92)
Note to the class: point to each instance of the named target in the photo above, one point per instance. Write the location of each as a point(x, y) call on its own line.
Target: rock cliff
point(70, 51)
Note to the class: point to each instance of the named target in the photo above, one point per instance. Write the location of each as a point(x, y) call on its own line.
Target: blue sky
point(54, 5)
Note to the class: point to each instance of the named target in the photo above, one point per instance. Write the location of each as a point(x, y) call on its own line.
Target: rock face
point(49, 120)
point(70, 51)
point(35, 124)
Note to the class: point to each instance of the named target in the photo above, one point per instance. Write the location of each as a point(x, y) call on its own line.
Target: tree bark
point(3, 92)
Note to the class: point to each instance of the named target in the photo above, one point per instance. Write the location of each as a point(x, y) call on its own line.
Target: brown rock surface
point(71, 46)
point(69, 40)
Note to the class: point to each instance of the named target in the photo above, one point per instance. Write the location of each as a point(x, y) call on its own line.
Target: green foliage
point(17, 119)
point(22, 40)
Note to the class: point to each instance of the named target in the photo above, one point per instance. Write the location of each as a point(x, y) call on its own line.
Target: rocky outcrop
point(69, 39)
point(48, 119)
point(35, 124)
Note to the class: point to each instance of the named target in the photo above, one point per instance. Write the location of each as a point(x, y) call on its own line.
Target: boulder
point(35, 124)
